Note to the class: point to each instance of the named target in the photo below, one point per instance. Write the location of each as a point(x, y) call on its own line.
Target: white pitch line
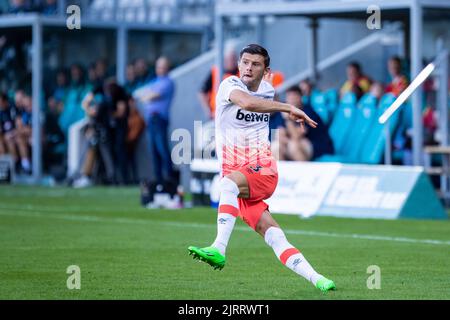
point(41, 214)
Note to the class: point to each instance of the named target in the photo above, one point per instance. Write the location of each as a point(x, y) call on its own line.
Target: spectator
point(399, 81)
point(60, 91)
point(7, 128)
point(290, 143)
point(101, 72)
point(277, 124)
point(117, 100)
point(23, 132)
point(159, 99)
point(49, 7)
point(306, 89)
point(276, 120)
point(142, 72)
point(136, 125)
point(130, 84)
point(92, 76)
point(319, 138)
point(207, 94)
point(377, 91)
point(4, 7)
point(77, 76)
point(54, 140)
point(19, 6)
point(97, 105)
point(356, 82)
point(403, 138)
point(78, 88)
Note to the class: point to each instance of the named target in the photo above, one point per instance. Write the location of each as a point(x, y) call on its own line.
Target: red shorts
point(262, 181)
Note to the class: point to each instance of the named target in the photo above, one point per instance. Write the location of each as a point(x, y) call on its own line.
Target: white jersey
point(242, 137)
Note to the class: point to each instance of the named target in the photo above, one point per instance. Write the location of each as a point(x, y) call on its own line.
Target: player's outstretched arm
point(255, 104)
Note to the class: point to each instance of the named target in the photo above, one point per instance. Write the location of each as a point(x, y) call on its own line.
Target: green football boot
point(210, 255)
point(324, 284)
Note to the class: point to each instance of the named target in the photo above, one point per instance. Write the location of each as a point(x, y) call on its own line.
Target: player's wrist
point(289, 108)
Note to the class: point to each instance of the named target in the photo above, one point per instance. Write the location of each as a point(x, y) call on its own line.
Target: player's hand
point(299, 116)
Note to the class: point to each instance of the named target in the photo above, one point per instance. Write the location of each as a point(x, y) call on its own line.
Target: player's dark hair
point(294, 89)
point(256, 49)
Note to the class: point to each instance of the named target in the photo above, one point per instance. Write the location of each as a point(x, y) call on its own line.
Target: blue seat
point(399, 139)
point(332, 100)
point(342, 121)
point(363, 121)
point(360, 125)
point(73, 110)
point(373, 149)
point(319, 104)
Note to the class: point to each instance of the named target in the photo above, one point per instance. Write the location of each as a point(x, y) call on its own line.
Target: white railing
point(440, 63)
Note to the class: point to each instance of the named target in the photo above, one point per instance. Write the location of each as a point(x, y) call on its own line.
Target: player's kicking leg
point(228, 210)
point(288, 254)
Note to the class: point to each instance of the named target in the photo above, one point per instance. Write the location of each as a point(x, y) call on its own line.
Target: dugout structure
point(412, 14)
point(120, 31)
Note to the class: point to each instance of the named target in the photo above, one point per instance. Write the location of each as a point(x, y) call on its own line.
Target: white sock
point(227, 213)
point(289, 255)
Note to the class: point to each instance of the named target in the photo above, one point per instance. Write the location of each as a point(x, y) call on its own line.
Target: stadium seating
point(73, 111)
point(332, 98)
point(372, 151)
point(320, 105)
point(342, 121)
point(361, 126)
point(356, 132)
point(399, 139)
point(192, 12)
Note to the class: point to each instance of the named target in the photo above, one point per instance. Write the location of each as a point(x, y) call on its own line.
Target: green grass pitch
point(128, 252)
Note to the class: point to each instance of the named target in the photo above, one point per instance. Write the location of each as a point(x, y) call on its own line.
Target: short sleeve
point(230, 84)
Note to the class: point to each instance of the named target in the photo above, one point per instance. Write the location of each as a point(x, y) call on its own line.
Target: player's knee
point(228, 185)
point(268, 227)
point(274, 235)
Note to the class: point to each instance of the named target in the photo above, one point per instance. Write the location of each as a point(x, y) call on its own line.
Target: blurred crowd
point(114, 121)
point(22, 6)
point(298, 143)
point(15, 129)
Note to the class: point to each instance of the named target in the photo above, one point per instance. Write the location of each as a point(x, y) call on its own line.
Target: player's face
point(252, 69)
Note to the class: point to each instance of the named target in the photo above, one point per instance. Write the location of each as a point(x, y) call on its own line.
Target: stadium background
point(36, 43)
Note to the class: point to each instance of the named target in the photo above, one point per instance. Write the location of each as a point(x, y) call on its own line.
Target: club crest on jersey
point(258, 167)
point(252, 116)
point(235, 82)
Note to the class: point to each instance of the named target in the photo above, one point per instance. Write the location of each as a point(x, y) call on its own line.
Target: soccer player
point(248, 170)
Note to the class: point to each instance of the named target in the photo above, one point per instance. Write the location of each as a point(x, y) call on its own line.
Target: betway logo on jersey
point(252, 117)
